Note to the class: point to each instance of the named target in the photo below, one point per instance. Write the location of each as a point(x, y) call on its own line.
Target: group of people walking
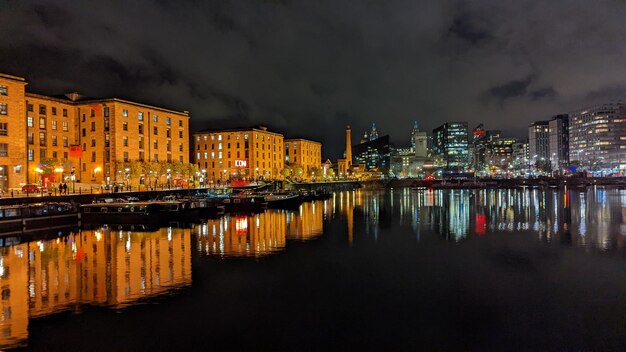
point(62, 188)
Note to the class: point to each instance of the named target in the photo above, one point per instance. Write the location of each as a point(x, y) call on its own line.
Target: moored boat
point(26, 218)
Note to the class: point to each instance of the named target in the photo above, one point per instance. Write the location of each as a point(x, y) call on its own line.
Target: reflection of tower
point(373, 132)
point(348, 147)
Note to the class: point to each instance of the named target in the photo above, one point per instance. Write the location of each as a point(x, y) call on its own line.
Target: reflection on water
point(118, 268)
point(110, 268)
point(260, 234)
point(593, 219)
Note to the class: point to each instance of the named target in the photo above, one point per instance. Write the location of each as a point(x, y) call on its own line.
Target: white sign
point(241, 163)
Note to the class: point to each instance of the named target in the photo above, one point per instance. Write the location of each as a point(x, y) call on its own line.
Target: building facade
point(374, 154)
point(49, 139)
point(450, 145)
point(597, 137)
point(539, 142)
point(241, 153)
point(305, 153)
point(13, 163)
point(559, 141)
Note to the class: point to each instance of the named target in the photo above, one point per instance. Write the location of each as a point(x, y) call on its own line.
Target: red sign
point(76, 151)
point(241, 163)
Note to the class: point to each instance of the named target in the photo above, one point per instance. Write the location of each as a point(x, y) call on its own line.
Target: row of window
point(238, 136)
point(42, 123)
point(155, 118)
point(44, 111)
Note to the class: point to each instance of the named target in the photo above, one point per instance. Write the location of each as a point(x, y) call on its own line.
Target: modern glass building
point(450, 145)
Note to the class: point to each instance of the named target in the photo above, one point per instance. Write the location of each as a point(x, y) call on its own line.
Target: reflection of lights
point(241, 225)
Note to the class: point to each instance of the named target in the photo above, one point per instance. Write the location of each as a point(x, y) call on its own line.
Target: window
point(42, 154)
point(54, 110)
point(93, 157)
point(54, 124)
point(64, 155)
point(93, 141)
point(125, 140)
point(125, 126)
point(93, 126)
point(42, 139)
point(54, 154)
point(64, 112)
point(31, 138)
point(140, 116)
point(31, 155)
point(3, 109)
point(93, 113)
point(180, 147)
point(65, 126)
point(140, 142)
point(42, 109)
point(29, 107)
point(4, 90)
point(155, 118)
point(125, 156)
point(106, 112)
point(168, 133)
point(180, 123)
point(140, 156)
point(156, 158)
point(4, 149)
point(168, 121)
point(125, 113)
point(156, 144)
point(54, 141)
point(180, 134)
point(66, 142)
point(169, 146)
point(42, 123)
point(29, 121)
point(4, 129)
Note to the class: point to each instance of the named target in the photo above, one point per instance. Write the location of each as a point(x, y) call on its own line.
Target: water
point(402, 269)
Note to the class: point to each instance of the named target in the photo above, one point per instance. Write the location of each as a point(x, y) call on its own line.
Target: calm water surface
point(396, 270)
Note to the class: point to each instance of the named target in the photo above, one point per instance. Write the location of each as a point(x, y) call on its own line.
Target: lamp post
point(169, 177)
point(127, 174)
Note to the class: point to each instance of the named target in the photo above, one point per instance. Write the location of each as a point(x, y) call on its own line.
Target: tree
point(286, 171)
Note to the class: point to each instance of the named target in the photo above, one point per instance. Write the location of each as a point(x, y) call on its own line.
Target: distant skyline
point(308, 69)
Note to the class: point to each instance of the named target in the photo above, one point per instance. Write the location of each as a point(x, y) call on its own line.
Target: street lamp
point(169, 177)
point(127, 171)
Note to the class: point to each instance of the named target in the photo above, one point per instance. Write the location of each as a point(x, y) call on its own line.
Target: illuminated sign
point(241, 163)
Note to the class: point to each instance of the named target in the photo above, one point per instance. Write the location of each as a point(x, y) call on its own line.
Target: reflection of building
point(308, 224)
point(239, 153)
point(111, 268)
point(450, 145)
point(559, 141)
point(88, 136)
point(244, 235)
point(597, 137)
point(303, 152)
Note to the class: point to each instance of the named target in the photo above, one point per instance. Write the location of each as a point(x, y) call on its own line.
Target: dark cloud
point(308, 68)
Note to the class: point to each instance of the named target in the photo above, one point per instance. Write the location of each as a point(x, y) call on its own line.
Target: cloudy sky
point(308, 68)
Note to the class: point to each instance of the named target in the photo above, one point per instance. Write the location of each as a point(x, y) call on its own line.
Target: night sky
point(308, 68)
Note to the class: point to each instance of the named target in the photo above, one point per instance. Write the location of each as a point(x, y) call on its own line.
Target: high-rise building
point(239, 153)
point(597, 137)
point(303, 152)
point(374, 154)
point(559, 141)
point(450, 145)
point(89, 139)
point(539, 142)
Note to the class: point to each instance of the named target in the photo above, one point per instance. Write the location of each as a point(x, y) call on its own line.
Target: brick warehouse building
point(89, 137)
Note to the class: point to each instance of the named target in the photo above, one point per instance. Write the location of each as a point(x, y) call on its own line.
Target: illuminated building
point(450, 145)
point(410, 162)
point(85, 138)
point(520, 157)
point(539, 142)
point(374, 154)
point(240, 153)
point(303, 152)
point(13, 166)
point(344, 166)
point(559, 141)
point(597, 137)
